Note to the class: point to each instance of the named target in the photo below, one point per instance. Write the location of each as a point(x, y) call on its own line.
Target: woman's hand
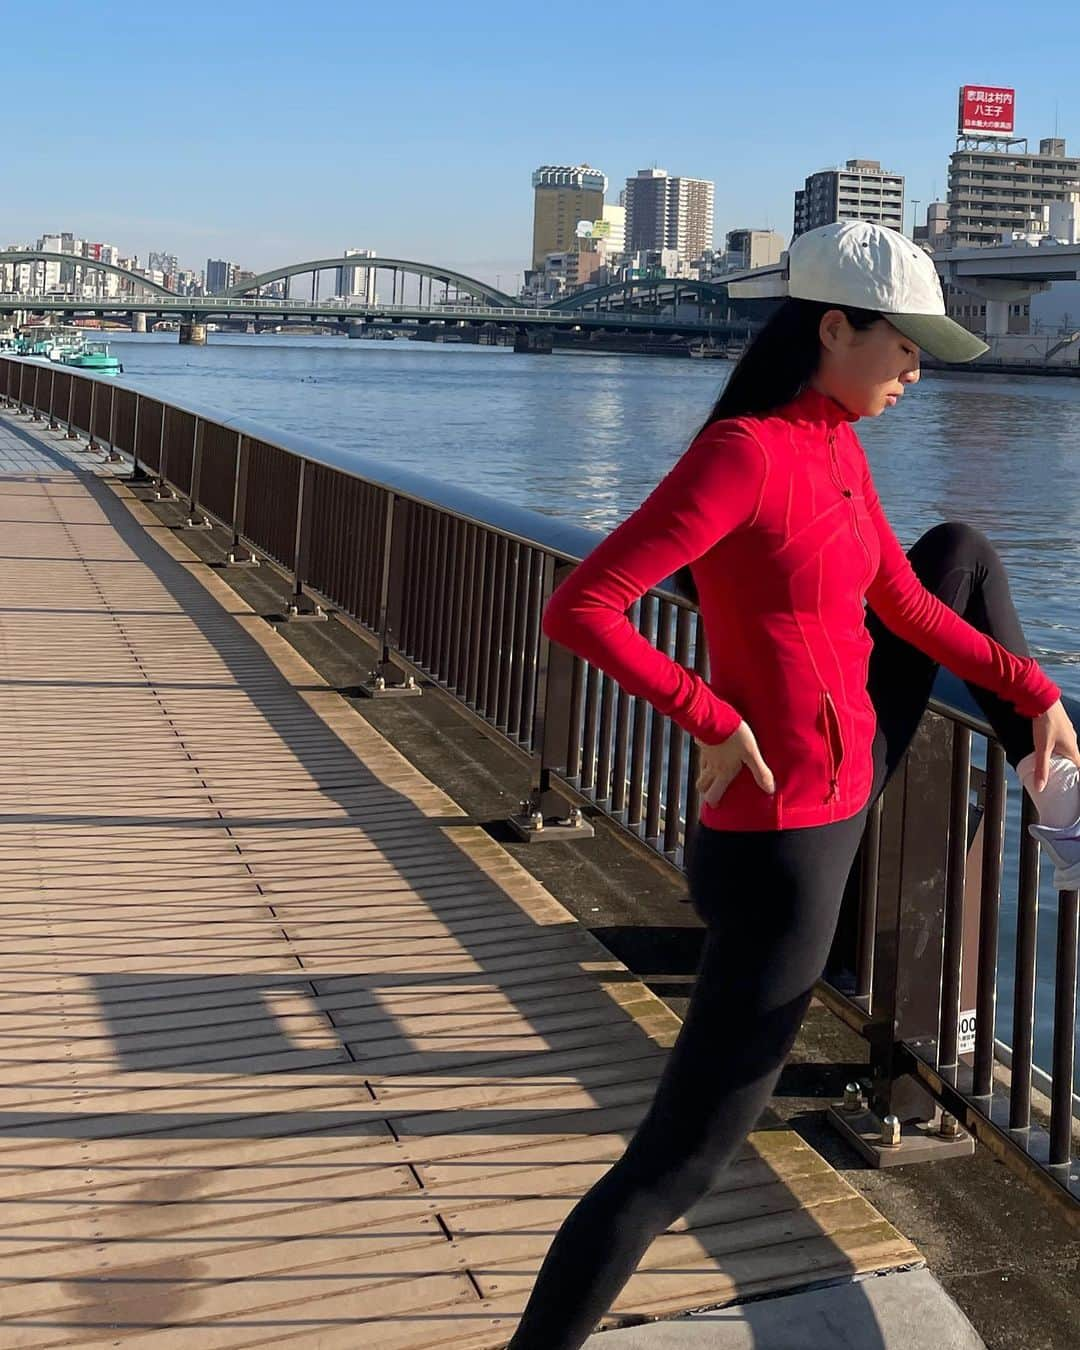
point(720, 763)
point(1054, 735)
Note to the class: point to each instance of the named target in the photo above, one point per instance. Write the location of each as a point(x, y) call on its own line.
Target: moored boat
point(94, 356)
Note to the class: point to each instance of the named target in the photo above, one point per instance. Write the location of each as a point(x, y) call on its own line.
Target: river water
point(586, 437)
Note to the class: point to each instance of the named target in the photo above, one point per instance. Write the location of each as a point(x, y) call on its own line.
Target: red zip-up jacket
point(778, 518)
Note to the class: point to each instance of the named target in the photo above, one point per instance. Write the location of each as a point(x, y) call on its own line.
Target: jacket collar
point(811, 407)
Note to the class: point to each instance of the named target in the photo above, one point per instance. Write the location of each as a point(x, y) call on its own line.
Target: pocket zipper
point(834, 743)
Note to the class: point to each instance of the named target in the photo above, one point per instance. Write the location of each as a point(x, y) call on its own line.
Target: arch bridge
point(399, 268)
point(17, 257)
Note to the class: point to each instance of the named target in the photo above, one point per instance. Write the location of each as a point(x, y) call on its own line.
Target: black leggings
point(770, 902)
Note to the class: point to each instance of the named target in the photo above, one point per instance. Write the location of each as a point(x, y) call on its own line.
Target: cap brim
point(939, 336)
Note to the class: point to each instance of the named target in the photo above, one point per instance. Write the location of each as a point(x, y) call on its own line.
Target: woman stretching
point(811, 704)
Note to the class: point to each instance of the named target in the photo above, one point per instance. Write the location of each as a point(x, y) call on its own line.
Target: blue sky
point(273, 132)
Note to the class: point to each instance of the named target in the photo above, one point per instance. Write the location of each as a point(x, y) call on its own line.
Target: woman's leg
point(770, 901)
point(961, 567)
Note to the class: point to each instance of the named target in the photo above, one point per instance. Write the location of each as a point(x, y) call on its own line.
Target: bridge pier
point(193, 331)
point(536, 340)
point(138, 322)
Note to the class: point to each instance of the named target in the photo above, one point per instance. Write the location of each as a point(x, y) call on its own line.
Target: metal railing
point(451, 585)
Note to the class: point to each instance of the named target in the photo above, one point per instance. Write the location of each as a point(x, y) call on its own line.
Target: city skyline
point(216, 163)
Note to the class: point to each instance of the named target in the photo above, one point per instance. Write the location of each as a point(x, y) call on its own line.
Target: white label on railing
point(966, 1043)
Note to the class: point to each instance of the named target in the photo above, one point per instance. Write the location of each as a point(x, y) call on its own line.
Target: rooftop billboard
point(986, 110)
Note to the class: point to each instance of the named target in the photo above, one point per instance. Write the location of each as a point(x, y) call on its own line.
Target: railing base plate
point(294, 614)
point(551, 831)
point(919, 1141)
point(197, 523)
point(375, 688)
point(233, 561)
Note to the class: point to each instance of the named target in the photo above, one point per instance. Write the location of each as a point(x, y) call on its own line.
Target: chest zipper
point(838, 478)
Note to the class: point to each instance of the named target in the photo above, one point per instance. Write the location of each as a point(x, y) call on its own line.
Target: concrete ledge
point(907, 1310)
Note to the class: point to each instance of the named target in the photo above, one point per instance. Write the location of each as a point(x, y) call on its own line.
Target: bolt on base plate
point(919, 1141)
point(534, 828)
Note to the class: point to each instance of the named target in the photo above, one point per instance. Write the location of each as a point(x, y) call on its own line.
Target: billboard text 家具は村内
point(987, 110)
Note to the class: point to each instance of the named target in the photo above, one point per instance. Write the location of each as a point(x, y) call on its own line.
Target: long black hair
point(774, 370)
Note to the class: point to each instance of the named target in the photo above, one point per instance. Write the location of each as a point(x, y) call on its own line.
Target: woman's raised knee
point(953, 544)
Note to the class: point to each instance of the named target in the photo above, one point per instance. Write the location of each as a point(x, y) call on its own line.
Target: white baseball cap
point(866, 266)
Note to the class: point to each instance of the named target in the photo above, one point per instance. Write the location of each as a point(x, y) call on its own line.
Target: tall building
point(220, 275)
point(692, 215)
point(861, 190)
point(356, 282)
point(668, 213)
point(995, 191)
point(563, 195)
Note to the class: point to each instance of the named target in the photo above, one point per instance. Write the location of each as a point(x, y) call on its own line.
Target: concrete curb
point(906, 1310)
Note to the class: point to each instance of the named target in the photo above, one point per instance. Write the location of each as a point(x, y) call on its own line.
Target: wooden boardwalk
point(292, 1053)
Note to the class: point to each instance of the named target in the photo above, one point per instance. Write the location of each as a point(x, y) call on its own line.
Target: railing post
point(1064, 1051)
point(952, 957)
point(138, 473)
point(195, 521)
point(162, 491)
point(908, 942)
point(53, 424)
point(239, 506)
point(300, 607)
point(112, 456)
point(546, 814)
point(37, 381)
point(91, 444)
point(993, 843)
point(920, 818)
point(387, 679)
point(70, 434)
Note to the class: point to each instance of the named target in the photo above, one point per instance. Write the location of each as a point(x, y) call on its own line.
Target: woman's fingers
point(763, 775)
point(716, 789)
point(1043, 744)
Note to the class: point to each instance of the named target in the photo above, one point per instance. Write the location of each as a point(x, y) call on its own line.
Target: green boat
point(94, 356)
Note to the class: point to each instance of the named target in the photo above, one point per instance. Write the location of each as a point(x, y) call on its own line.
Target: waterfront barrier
point(450, 585)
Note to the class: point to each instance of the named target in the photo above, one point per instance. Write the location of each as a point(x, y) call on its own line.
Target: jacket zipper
point(834, 743)
point(834, 465)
